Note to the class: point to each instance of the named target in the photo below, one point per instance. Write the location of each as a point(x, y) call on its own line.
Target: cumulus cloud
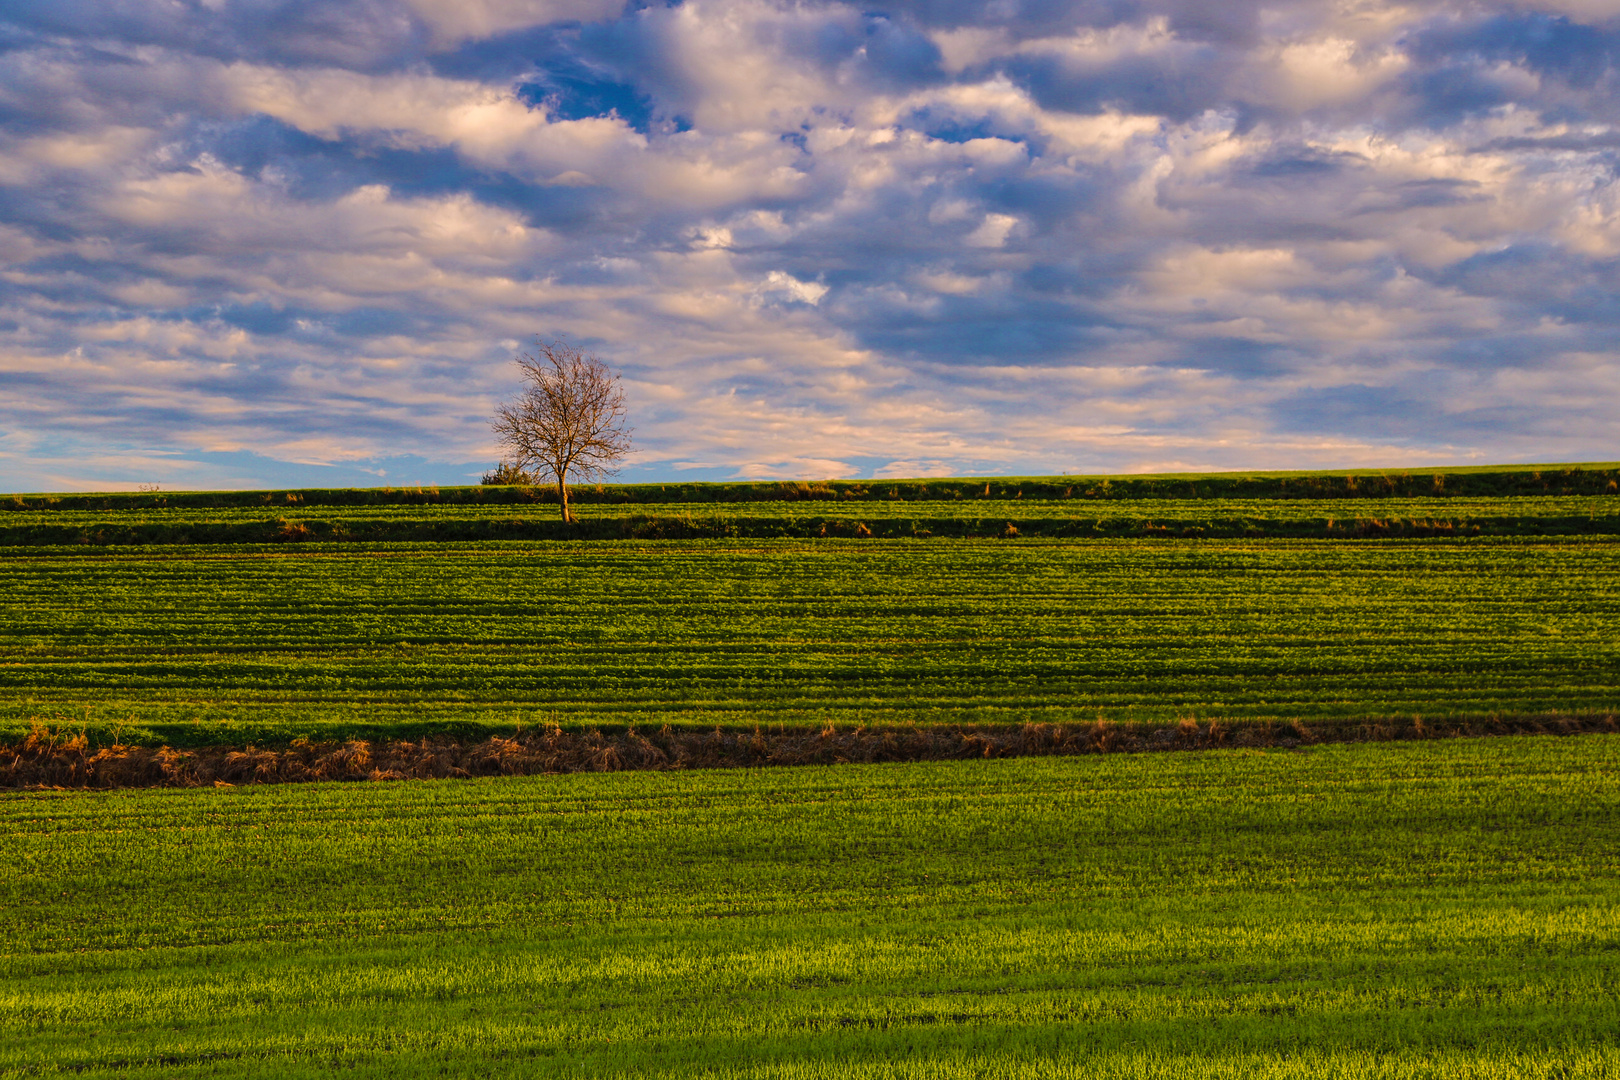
point(246, 242)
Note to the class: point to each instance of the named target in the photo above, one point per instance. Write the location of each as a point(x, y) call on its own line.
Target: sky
point(260, 243)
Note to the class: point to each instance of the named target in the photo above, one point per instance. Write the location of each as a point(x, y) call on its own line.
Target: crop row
point(1435, 909)
point(1600, 506)
point(1462, 516)
point(181, 644)
point(1489, 481)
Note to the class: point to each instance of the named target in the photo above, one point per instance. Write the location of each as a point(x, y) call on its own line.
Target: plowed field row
point(237, 642)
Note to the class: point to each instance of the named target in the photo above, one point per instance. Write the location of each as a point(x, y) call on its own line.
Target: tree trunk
point(562, 493)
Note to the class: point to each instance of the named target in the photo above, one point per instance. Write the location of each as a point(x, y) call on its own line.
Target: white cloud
point(458, 20)
point(795, 469)
point(815, 243)
point(807, 292)
point(907, 470)
point(992, 231)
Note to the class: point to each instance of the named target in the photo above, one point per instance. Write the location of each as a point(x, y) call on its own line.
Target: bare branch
point(568, 420)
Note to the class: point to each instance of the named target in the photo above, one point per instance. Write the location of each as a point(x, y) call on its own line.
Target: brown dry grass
point(52, 759)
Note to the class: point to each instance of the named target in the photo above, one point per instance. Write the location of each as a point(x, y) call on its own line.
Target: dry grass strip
point(52, 759)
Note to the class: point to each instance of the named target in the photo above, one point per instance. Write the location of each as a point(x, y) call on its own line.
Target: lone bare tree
point(568, 421)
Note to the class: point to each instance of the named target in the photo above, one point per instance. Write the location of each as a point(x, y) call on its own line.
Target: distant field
point(1443, 909)
point(990, 512)
point(1567, 501)
point(263, 643)
point(1492, 481)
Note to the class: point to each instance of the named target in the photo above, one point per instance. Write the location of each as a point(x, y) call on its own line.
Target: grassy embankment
point(1445, 909)
point(1495, 501)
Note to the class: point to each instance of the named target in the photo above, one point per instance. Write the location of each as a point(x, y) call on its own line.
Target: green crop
point(1435, 909)
point(1525, 508)
point(243, 643)
point(1446, 909)
point(1494, 501)
point(124, 521)
point(1487, 481)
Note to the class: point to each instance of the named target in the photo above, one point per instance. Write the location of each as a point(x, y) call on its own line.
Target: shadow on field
point(48, 759)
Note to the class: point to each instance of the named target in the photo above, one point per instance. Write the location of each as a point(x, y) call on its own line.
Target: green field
point(1466, 516)
point(1492, 501)
point(1444, 909)
point(1464, 508)
point(239, 643)
point(1484, 481)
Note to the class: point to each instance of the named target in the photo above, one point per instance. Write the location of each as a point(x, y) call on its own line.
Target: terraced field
point(1440, 909)
point(1446, 908)
point(1591, 507)
point(1569, 499)
point(981, 517)
point(243, 642)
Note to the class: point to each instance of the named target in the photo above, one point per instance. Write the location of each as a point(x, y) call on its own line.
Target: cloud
point(786, 285)
point(818, 239)
point(454, 21)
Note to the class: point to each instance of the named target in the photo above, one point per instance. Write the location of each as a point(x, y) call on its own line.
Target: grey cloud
point(1030, 16)
point(1458, 63)
point(364, 34)
point(1177, 86)
point(1193, 20)
point(1577, 54)
point(1541, 280)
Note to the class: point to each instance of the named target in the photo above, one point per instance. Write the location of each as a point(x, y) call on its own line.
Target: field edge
point(49, 758)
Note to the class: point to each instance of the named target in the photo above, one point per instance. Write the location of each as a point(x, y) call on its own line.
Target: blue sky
point(268, 242)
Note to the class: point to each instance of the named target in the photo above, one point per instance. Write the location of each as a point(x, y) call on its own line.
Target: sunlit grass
point(247, 642)
point(1435, 909)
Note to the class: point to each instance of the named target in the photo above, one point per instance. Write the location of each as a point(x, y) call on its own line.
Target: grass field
point(1484, 481)
point(248, 643)
point(1444, 909)
point(1461, 507)
point(1492, 501)
point(1465, 516)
